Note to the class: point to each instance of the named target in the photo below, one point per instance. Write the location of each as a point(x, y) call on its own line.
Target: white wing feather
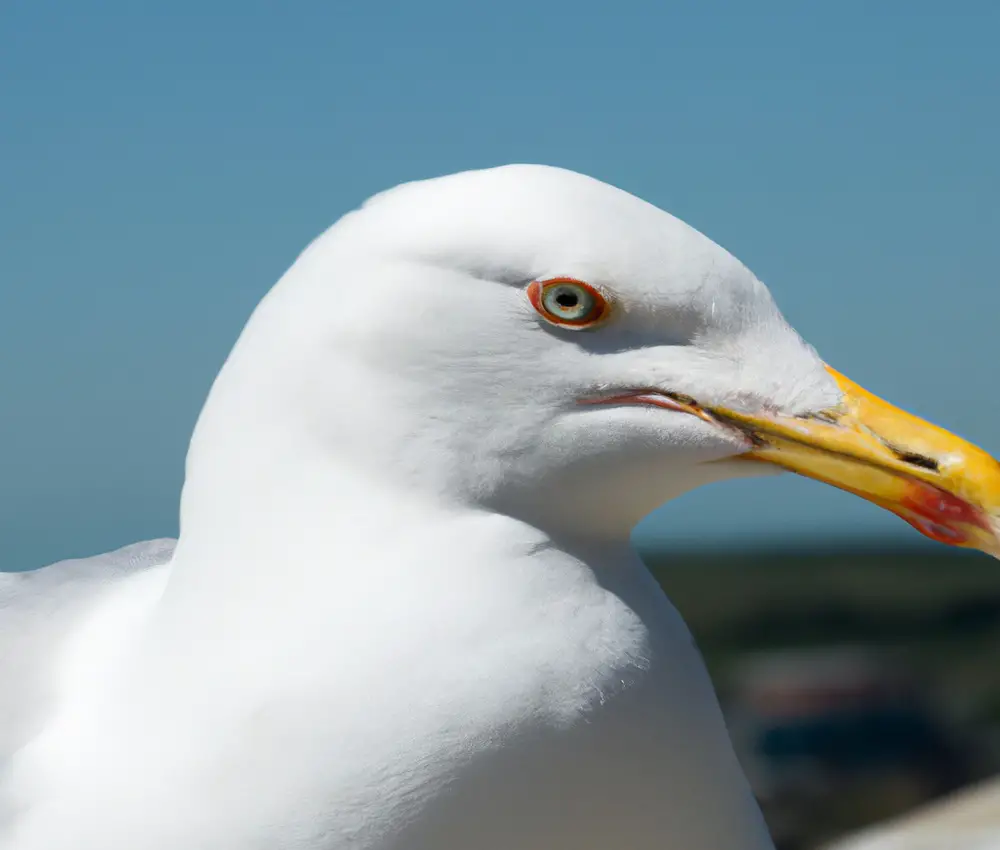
point(38, 609)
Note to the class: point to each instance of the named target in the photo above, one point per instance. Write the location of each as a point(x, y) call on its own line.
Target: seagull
point(402, 612)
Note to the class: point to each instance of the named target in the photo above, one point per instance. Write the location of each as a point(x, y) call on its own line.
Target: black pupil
point(567, 299)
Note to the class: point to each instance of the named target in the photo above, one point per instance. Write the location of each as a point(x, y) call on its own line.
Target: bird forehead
point(448, 237)
point(530, 217)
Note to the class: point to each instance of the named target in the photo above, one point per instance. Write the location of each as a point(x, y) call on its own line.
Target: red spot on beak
point(939, 515)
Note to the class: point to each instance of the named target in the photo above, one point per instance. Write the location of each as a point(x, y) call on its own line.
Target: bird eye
point(568, 303)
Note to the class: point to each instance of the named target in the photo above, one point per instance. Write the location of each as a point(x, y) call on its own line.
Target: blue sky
point(162, 164)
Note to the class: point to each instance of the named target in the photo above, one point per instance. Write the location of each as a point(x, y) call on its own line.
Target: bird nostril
point(919, 460)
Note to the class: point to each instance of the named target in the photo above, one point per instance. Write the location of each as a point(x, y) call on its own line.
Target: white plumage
point(403, 612)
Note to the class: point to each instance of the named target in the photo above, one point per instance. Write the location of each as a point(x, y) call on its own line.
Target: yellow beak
point(944, 486)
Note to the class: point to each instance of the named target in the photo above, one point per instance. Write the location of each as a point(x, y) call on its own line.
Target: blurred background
point(859, 679)
point(162, 164)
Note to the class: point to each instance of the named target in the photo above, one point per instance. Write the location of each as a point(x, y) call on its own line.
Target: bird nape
point(403, 611)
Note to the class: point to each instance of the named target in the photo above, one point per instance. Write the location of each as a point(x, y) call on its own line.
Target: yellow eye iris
point(568, 303)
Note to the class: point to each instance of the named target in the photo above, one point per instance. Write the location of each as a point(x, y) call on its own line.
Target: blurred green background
point(859, 680)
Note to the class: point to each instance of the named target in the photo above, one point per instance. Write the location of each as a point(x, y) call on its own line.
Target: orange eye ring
point(567, 302)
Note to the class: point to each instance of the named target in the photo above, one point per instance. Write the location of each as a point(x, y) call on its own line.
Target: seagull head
point(535, 342)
